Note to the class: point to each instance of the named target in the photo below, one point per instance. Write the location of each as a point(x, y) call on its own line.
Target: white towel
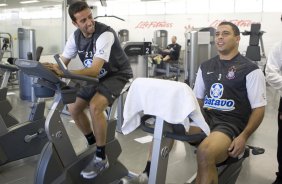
point(170, 100)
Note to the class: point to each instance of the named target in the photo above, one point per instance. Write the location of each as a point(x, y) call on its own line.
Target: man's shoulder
point(174, 45)
point(211, 60)
point(178, 46)
point(76, 32)
point(101, 28)
point(247, 61)
point(277, 47)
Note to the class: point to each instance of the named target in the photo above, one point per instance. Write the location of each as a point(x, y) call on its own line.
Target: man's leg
point(166, 58)
point(144, 176)
point(80, 118)
point(158, 59)
point(211, 151)
point(98, 104)
point(279, 146)
point(192, 130)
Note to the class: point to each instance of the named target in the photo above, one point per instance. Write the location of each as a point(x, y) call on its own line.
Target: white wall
point(46, 21)
point(143, 18)
point(141, 28)
point(176, 16)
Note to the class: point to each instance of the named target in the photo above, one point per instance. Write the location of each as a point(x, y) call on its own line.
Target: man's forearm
point(254, 121)
point(85, 71)
point(92, 71)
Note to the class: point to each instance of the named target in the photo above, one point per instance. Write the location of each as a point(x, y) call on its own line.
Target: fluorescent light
point(3, 4)
point(27, 2)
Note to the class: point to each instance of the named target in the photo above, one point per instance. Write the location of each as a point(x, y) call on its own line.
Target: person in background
point(273, 75)
point(171, 52)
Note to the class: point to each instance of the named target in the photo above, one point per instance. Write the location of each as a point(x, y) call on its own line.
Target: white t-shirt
point(103, 47)
point(274, 67)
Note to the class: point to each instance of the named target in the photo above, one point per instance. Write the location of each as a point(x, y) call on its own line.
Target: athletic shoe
point(95, 167)
point(143, 178)
point(158, 60)
point(140, 179)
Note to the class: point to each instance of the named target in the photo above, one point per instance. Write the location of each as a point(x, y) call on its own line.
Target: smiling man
point(100, 52)
point(231, 91)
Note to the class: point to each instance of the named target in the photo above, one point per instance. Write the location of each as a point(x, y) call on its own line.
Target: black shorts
point(228, 128)
point(110, 87)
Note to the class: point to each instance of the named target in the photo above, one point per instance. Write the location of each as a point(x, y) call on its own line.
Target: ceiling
point(41, 3)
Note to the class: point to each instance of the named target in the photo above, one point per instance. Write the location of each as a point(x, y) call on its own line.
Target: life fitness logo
point(215, 102)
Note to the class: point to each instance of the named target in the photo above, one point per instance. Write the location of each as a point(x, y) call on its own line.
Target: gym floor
point(182, 165)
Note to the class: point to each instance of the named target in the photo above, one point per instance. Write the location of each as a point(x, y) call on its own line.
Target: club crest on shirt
point(87, 63)
point(231, 73)
point(101, 51)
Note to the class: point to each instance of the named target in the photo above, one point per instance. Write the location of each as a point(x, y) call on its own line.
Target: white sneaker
point(96, 166)
point(140, 179)
point(143, 178)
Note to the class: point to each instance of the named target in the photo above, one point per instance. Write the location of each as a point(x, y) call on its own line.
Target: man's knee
point(213, 149)
point(75, 110)
point(205, 155)
point(94, 108)
point(97, 108)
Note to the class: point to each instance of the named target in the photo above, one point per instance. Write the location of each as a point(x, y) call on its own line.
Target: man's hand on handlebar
point(54, 68)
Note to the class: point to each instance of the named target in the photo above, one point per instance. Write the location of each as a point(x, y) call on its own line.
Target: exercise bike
point(228, 171)
point(19, 140)
point(167, 131)
point(58, 161)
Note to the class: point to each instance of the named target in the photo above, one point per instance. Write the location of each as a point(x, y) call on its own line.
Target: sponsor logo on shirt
point(215, 101)
point(102, 73)
point(88, 62)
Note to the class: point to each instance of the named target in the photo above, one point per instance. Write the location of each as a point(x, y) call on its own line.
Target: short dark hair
point(234, 27)
point(77, 7)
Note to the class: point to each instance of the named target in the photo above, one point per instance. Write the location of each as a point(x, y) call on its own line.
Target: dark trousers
point(279, 142)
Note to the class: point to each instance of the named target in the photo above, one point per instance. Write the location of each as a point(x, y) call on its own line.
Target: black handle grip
point(70, 75)
point(29, 55)
point(38, 53)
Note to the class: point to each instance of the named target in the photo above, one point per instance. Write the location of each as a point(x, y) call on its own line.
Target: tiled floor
point(256, 169)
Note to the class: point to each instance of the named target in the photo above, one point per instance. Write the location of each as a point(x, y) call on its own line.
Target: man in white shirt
point(273, 74)
point(99, 50)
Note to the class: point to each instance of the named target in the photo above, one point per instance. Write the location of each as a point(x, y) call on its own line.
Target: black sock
point(147, 168)
point(90, 138)
point(100, 152)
